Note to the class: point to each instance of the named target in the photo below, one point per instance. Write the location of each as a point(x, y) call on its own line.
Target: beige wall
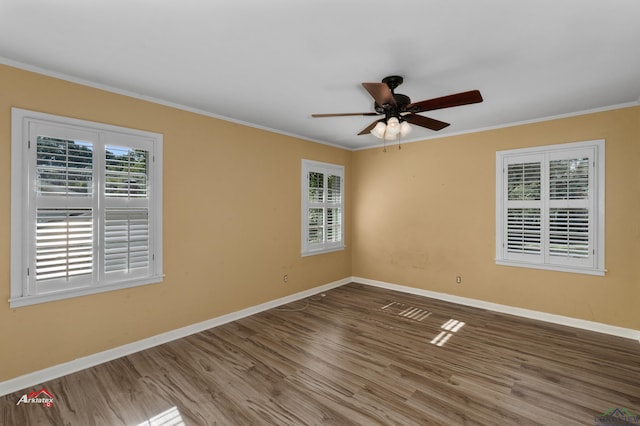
point(231, 227)
point(426, 213)
point(416, 217)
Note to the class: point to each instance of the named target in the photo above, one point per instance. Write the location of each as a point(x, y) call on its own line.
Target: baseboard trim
point(56, 371)
point(506, 309)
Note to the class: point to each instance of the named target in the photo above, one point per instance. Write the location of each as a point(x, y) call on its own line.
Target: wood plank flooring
point(359, 355)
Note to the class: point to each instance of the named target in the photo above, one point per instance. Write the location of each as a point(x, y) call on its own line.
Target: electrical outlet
point(285, 278)
point(458, 279)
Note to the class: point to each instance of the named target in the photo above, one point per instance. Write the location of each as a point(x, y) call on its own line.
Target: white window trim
point(335, 169)
point(598, 147)
point(20, 200)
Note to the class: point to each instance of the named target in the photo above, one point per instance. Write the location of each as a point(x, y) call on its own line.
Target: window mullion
point(325, 204)
point(99, 208)
point(544, 213)
point(596, 211)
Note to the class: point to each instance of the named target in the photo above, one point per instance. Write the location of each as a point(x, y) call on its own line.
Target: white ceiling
point(272, 64)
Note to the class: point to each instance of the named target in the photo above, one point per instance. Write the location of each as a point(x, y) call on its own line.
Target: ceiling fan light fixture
point(379, 130)
point(405, 129)
point(390, 137)
point(393, 126)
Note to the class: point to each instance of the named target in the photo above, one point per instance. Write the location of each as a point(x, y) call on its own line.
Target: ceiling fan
point(399, 111)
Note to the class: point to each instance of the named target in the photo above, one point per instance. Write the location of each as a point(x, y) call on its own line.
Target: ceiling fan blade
point(429, 123)
point(381, 93)
point(449, 101)
point(367, 129)
point(345, 114)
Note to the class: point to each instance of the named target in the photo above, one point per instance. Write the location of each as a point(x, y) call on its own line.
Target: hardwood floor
point(360, 355)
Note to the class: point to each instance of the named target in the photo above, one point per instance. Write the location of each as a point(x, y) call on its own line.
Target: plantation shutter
point(570, 208)
point(64, 232)
point(126, 173)
point(549, 205)
point(126, 240)
point(88, 195)
point(334, 208)
point(64, 243)
point(126, 223)
point(323, 211)
point(524, 207)
point(316, 219)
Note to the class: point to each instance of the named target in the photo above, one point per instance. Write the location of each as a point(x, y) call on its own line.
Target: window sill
point(321, 251)
point(85, 291)
point(558, 268)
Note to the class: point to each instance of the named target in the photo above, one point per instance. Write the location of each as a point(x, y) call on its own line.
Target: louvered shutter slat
point(523, 181)
point(64, 167)
point(569, 232)
point(126, 240)
point(569, 179)
point(524, 233)
point(126, 173)
point(64, 243)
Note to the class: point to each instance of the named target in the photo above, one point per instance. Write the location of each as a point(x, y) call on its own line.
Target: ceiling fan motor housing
point(401, 105)
point(402, 101)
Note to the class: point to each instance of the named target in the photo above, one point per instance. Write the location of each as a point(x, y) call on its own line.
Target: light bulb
point(378, 131)
point(405, 129)
point(393, 126)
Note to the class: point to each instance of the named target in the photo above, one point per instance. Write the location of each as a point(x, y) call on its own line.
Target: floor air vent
point(405, 311)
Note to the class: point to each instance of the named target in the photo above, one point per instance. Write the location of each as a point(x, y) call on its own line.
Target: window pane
point(316, 180)
point(316, 195)
point(569, 232)
point(333, 193)
point(126, 239)
point(334, 225)
point(523, 181)
point(316, 225)
point(316, 187)
point(64, 243)
point(333, 217)
point(64, 167)
point(315, 235)
point(316, 217)
point(126, 172)
point(523, 231)
point(569, 179)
